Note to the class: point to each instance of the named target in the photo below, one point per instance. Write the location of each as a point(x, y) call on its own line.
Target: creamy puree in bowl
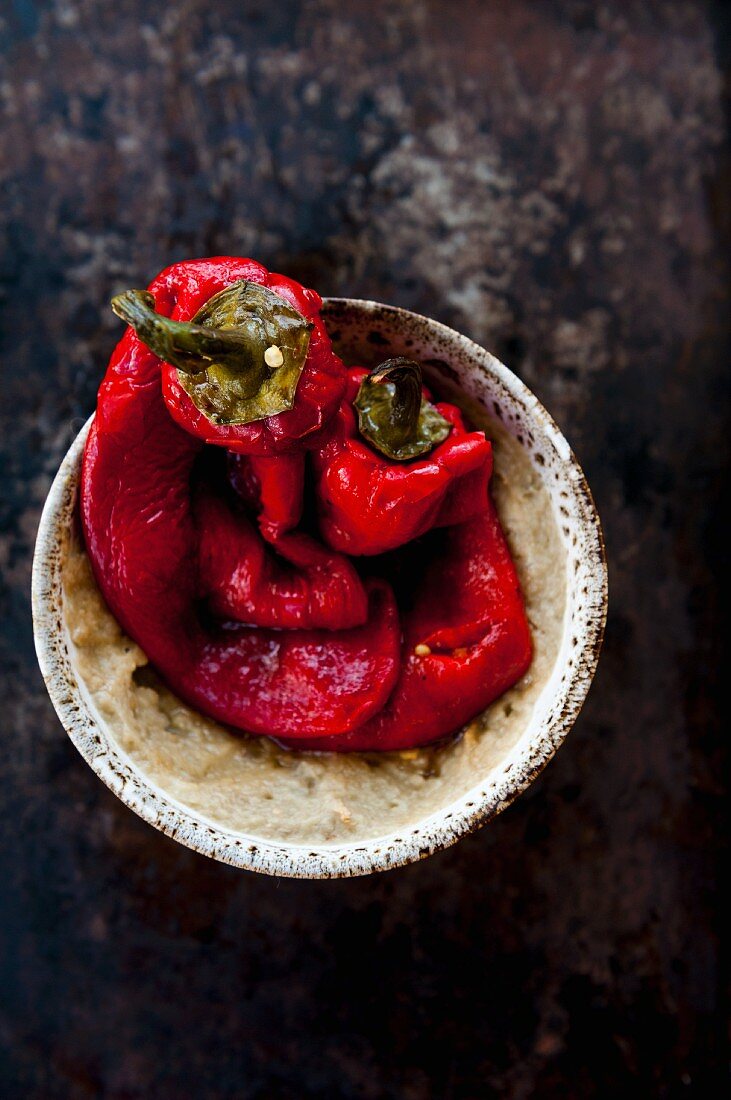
point(250, 784)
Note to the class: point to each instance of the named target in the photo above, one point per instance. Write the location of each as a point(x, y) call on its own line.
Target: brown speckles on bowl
point(361, 331)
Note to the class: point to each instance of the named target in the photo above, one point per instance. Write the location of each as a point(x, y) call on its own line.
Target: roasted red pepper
point(293, 584)
point(272, 487)
point(370, 502)
point(459, 653)
point(205, 558)
point(231, 370)
point(136, 508)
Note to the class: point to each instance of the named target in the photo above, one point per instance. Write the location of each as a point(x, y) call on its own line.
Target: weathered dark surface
point(546, 177)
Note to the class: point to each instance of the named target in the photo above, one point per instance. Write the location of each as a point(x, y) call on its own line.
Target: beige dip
point(251, 785)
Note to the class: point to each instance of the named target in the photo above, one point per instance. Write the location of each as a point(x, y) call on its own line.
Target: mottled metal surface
point(546, 177)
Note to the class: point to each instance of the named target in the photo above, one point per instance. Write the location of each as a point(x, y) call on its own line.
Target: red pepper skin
point(287, 683)
point(479, 640)
point(302, 586)
point(271, 487)
point(142, 543)
point(181, 290)
point(369, 505)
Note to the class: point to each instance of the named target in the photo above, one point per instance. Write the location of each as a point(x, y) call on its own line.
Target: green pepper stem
point(393, 416)
point(403, 409)
point(189, 347)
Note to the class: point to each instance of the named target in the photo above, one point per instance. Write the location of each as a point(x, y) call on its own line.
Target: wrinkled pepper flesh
point(303, 550)
point(369, 503)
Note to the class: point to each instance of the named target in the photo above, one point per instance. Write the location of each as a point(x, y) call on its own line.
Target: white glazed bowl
point(364, 332)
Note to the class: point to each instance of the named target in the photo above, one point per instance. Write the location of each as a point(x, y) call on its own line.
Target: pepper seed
point(273, 357)
point(422, 650)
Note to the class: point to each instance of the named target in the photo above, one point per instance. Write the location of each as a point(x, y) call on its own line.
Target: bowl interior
point(250, 803)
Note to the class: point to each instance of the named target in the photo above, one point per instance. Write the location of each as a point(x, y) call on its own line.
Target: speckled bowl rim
point(437, 830)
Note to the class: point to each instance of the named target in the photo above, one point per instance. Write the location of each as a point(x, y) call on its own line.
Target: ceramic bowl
point(365, 332)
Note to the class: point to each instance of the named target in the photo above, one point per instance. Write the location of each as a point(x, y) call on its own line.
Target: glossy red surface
point(477, 640)
point(180, 291)
point(368, 504)
point(142, 541)
point(265, 628)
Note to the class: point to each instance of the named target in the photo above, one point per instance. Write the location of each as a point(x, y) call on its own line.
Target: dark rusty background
point(547, 177)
